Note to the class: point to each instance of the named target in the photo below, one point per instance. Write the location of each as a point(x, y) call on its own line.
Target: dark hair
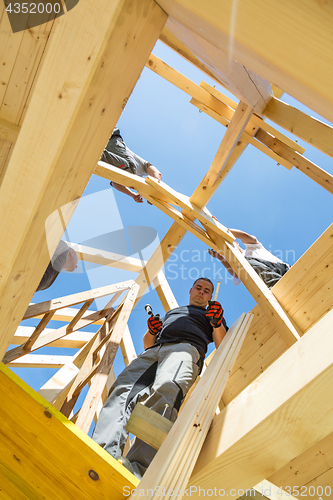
point(206, 279)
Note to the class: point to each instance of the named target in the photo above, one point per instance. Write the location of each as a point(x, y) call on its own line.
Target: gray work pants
point(159, 376)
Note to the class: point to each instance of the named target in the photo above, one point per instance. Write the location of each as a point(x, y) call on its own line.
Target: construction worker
point(175, 347)
point(269, 267)
point(64, 258)
point(119, 155)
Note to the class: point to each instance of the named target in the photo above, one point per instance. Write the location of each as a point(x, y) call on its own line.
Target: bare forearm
point(218, 335)
point(148, 340)
point(243, 236)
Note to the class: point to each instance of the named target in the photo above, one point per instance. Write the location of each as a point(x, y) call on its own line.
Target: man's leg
point(176, 372)
point(131, 386)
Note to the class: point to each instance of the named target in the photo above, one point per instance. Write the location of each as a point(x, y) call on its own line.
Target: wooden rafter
point(66, 107)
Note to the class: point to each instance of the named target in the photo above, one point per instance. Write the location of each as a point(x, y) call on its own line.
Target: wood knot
point(47, 414)
point(93, 475)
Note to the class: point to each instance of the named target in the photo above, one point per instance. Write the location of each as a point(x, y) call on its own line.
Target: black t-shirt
point(187, 324)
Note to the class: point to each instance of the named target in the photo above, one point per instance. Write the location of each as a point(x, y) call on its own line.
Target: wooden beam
point(245, 136)
point(317, 174)
point(84, 470)
point(104, 258)
point(73, 340)
point(175, 459)
point(8, 131)
point(171, 41)
point(81, 91)
point(270, 491)
point(269, 305)
point(240, 452)
point(307, 128)
point(148, 425)
point(230, 140)
point(40, 361)
point(164, 292)
point(235, 77)
point(255, 119)
point(291, 54)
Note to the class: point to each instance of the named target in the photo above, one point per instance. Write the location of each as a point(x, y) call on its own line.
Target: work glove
point(214, 313)
point(154, 324)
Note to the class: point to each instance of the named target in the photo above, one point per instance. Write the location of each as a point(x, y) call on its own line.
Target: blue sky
point(286, 210)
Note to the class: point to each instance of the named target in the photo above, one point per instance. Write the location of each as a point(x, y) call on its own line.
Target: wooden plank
point(79, 315)
point(306, 166)
point(8, 131)
point(237, 79)
point(40, 361)
point(175, 459)
point(46, 468)
point(148, 425)
point(62, 115)
point(307, 128)
point(291, 53)
point(236, 127)
point(91, 402)
point(291, 391)
point(245, 136)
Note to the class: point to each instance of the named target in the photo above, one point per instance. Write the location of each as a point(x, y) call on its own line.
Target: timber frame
point(277, 367)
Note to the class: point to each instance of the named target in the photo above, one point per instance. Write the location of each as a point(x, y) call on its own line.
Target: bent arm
point(244, 237)
point(148, 340)
point(123, 189)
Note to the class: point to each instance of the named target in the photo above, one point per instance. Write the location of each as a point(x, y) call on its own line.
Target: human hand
point(214, 313)
point(138, 198)
point(154, 324)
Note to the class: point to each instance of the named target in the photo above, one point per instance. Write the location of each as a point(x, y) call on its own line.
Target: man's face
point(201, 293)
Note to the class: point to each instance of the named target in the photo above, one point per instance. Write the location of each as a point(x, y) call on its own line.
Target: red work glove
point(154, 324)
point(214, 313)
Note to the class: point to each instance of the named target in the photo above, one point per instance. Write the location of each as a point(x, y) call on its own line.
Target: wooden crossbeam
point(290, 54)
point(245, 136)
point(74, 340)
point(240, 452)
point(40, 361)
point(75, 96)
point(175, 459)
point(306, 166)
point(164, 292)
point(307, 128)
point(38, 330)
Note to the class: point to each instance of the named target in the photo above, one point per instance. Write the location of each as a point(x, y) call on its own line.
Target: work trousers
point(269, 272)
point(160, 377)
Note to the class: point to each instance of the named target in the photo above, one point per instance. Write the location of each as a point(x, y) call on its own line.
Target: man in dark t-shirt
point(161, 376)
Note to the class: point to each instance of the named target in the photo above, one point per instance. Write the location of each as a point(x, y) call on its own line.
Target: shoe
point(126, 463)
